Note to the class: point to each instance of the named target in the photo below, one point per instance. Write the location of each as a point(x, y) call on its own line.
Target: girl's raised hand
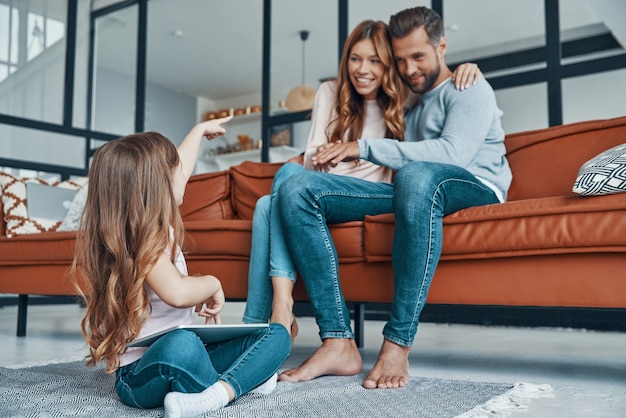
point(213, 128)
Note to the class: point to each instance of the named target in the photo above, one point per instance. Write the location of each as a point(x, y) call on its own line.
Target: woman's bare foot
point(336, 356)
point(294, 329)
point(282, 305)
point(284, 317)
point(391, 369)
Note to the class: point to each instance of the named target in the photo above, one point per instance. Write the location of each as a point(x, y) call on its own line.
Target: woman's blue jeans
point(269, 255)
point(422, 195)
point(179, 361)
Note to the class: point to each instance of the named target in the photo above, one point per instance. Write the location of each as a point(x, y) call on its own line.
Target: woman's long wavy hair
point(126, 226)
point(350, 105)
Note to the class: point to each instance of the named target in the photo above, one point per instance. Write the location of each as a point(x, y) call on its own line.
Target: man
point(453, 157)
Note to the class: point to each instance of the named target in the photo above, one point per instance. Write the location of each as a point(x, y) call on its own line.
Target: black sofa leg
point(359, 323)
point(22, 312)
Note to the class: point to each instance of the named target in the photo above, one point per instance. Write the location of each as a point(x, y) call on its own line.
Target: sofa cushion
point(218, 239)
point(44, 249)
point(251, 181)
point(603, 174)
point(207, 197)
point(552, 225)
point(15, 206)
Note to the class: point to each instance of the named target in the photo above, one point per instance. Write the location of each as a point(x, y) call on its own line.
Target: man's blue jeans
point(422, 195)
point(179, 361)
point(269, 255)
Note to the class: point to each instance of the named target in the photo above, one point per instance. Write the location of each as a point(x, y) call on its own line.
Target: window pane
point(182, 61)
point(33, 54)
point(596, 96)
point(524, 108)
point(81, 69)
point(470, 27)
point(297, 63)
point(378, 10)
point(115, 71)
point(41, 147)
point(591, 29)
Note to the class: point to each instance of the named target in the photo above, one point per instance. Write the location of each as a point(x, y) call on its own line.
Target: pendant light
point(301, 97)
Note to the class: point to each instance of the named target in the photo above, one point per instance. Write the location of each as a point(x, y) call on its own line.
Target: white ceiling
point(213, 48)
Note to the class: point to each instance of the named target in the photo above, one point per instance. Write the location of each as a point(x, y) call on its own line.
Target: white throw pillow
point(71, 222)
point(603, 174)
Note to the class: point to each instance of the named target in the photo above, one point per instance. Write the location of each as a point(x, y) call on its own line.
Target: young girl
point(137, 284)
point(366, 101)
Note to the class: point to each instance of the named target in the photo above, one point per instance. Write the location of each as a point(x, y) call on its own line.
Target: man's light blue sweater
point(453, 127)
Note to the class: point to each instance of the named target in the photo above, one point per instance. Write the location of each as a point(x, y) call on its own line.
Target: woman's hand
point(465, 75)
point(329, 155)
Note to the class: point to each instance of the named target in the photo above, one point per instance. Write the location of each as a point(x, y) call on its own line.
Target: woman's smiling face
point(365, 69)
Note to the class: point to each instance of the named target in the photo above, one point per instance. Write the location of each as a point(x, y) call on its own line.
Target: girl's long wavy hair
point(126, 225)
point(350, 105)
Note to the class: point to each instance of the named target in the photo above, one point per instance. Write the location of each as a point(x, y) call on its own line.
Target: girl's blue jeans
point(422, 195)
point(179, 361)
point(269, 255)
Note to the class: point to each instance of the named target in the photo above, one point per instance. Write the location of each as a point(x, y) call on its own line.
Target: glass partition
point(81, 67)
point(115, 71)
point(379, 10)
point(595, 96)
point(308, 58)
point(520, 27)
point(36, 146)
point(32, 59)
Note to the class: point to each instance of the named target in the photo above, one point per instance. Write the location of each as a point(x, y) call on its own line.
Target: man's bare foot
point(391, 369)
point(336, 356)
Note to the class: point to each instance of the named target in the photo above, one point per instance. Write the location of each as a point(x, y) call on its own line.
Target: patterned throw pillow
point(71, 222)
point(603, 174)
point(13, 194)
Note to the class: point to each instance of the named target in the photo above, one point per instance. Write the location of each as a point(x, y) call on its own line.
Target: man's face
point(419, 63)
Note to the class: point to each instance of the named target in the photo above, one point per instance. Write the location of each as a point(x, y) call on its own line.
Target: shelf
point(220, 162)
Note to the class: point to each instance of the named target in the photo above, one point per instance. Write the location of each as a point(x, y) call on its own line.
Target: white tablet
point(207, 333)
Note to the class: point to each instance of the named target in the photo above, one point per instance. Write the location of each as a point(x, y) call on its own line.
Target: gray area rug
point(74, 390)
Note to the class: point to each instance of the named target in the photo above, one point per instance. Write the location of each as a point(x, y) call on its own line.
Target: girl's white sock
point(181, 405)
point(266, 387)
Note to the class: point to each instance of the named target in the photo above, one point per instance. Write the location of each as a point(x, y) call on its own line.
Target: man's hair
point(405, 21)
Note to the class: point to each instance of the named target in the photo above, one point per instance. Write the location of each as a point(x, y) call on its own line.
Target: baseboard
point(600, 319)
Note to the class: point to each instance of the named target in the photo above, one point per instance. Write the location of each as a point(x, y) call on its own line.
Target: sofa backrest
point(207, 197)
point(251, 181)
point(227, 194)
point(545, 162)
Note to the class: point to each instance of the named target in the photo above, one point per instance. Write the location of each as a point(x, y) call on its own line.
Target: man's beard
point(429, 82)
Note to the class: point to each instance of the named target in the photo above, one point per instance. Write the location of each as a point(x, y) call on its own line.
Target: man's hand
point(329, 155)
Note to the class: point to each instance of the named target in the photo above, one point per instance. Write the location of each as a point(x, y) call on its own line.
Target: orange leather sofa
point(544, 247)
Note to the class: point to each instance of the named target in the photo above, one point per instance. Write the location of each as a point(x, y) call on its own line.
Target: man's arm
point(449, 129)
